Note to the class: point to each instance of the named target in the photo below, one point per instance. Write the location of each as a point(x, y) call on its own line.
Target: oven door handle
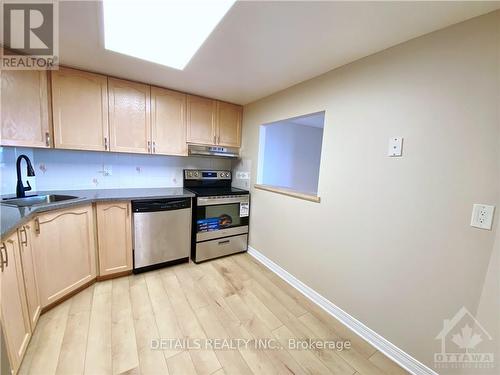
point(207, 201)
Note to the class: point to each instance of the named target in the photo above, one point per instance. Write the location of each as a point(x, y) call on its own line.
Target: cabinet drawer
point(220, 247)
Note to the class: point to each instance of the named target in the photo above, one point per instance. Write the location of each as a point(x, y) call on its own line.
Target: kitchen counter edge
point(13, 217)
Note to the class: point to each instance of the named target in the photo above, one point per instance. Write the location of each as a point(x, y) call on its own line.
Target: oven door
point(218, 217)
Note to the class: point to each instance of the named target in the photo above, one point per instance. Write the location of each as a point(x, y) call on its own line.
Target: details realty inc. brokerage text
point(240, 343)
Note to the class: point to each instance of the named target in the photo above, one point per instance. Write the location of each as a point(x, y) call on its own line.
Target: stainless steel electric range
point(221, 215)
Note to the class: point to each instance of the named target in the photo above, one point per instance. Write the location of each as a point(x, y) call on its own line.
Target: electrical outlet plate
point(242, 175)
point(482, 216)
point(395, 146)
point(108, 170)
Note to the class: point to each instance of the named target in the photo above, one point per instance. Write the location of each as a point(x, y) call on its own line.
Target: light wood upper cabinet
point(114, 233)
point(24, 108)
point(201, 114)
point(99, 113)
point(129, 116)
point(168, 122)
point(29, 273)
point(79, 109)
point(14, 316)
point(229, 124)
point(211, 122)
point(64, 250)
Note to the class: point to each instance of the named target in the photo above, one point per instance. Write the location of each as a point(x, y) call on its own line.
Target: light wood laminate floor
point(108, 328)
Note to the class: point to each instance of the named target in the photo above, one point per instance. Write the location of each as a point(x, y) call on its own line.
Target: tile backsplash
point(67, 170)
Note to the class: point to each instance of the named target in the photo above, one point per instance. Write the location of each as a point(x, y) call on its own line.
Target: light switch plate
point(395, 146)
point(482, 216)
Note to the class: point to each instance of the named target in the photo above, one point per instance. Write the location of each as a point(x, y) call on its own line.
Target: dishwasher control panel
point(161, 205)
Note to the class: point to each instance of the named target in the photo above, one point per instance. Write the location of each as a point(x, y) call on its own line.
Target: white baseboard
point(381, 344)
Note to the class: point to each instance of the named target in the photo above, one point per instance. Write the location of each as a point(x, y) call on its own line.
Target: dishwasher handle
point(161, 205)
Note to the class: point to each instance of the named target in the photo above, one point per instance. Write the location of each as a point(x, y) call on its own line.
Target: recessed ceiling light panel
point(166, 32)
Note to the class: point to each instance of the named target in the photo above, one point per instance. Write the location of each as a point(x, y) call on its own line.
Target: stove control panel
point(196, 174)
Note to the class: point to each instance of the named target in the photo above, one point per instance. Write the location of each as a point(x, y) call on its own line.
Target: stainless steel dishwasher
point(162, 232)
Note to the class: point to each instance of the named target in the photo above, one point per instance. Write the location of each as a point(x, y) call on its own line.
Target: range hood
point(224, 152)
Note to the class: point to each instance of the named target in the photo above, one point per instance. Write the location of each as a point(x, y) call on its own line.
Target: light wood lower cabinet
point(15, 322)
point(114, 233)
point(29, 273)
point(64, 247)
point(24, 108)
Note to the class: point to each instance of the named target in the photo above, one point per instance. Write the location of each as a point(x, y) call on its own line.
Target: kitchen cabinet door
point(229, 124)
point(201, 120)
point(64, 252)
point(15, 322)
point(114, 233)
point(129, 116)
point(168, 122)
point(79, 110)
point(29, 273)
point(25, 108)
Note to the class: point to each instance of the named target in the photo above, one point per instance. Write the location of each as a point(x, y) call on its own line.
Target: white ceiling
point(261, 47)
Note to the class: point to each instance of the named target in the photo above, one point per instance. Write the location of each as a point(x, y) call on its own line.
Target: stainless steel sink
point(37, 200)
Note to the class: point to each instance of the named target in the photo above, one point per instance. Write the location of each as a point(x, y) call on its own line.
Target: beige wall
point(390, 242)
point(488, 311)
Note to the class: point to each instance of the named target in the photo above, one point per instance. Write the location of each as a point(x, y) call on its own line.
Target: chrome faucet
point(20, 189)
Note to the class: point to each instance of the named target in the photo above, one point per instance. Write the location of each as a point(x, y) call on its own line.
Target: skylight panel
point(166, 32)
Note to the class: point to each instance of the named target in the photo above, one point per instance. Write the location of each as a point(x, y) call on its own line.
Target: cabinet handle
point(215, 139)
point(224, 242)
point(7, 253)
point(149, 146)
point(47, 139)
point(218, 139)
point(106, 143)
point(25, 242)
point(6, 261)
point(37, 226)
point(128, 209)
point(154, 147)
point(2, 261)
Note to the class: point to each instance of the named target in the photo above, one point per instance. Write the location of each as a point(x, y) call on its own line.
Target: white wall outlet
point(242, 175)
point(107, 170)
point(482, 216)
point(395, 146)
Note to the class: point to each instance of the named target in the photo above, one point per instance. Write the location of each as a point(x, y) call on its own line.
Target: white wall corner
point(399, 356)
